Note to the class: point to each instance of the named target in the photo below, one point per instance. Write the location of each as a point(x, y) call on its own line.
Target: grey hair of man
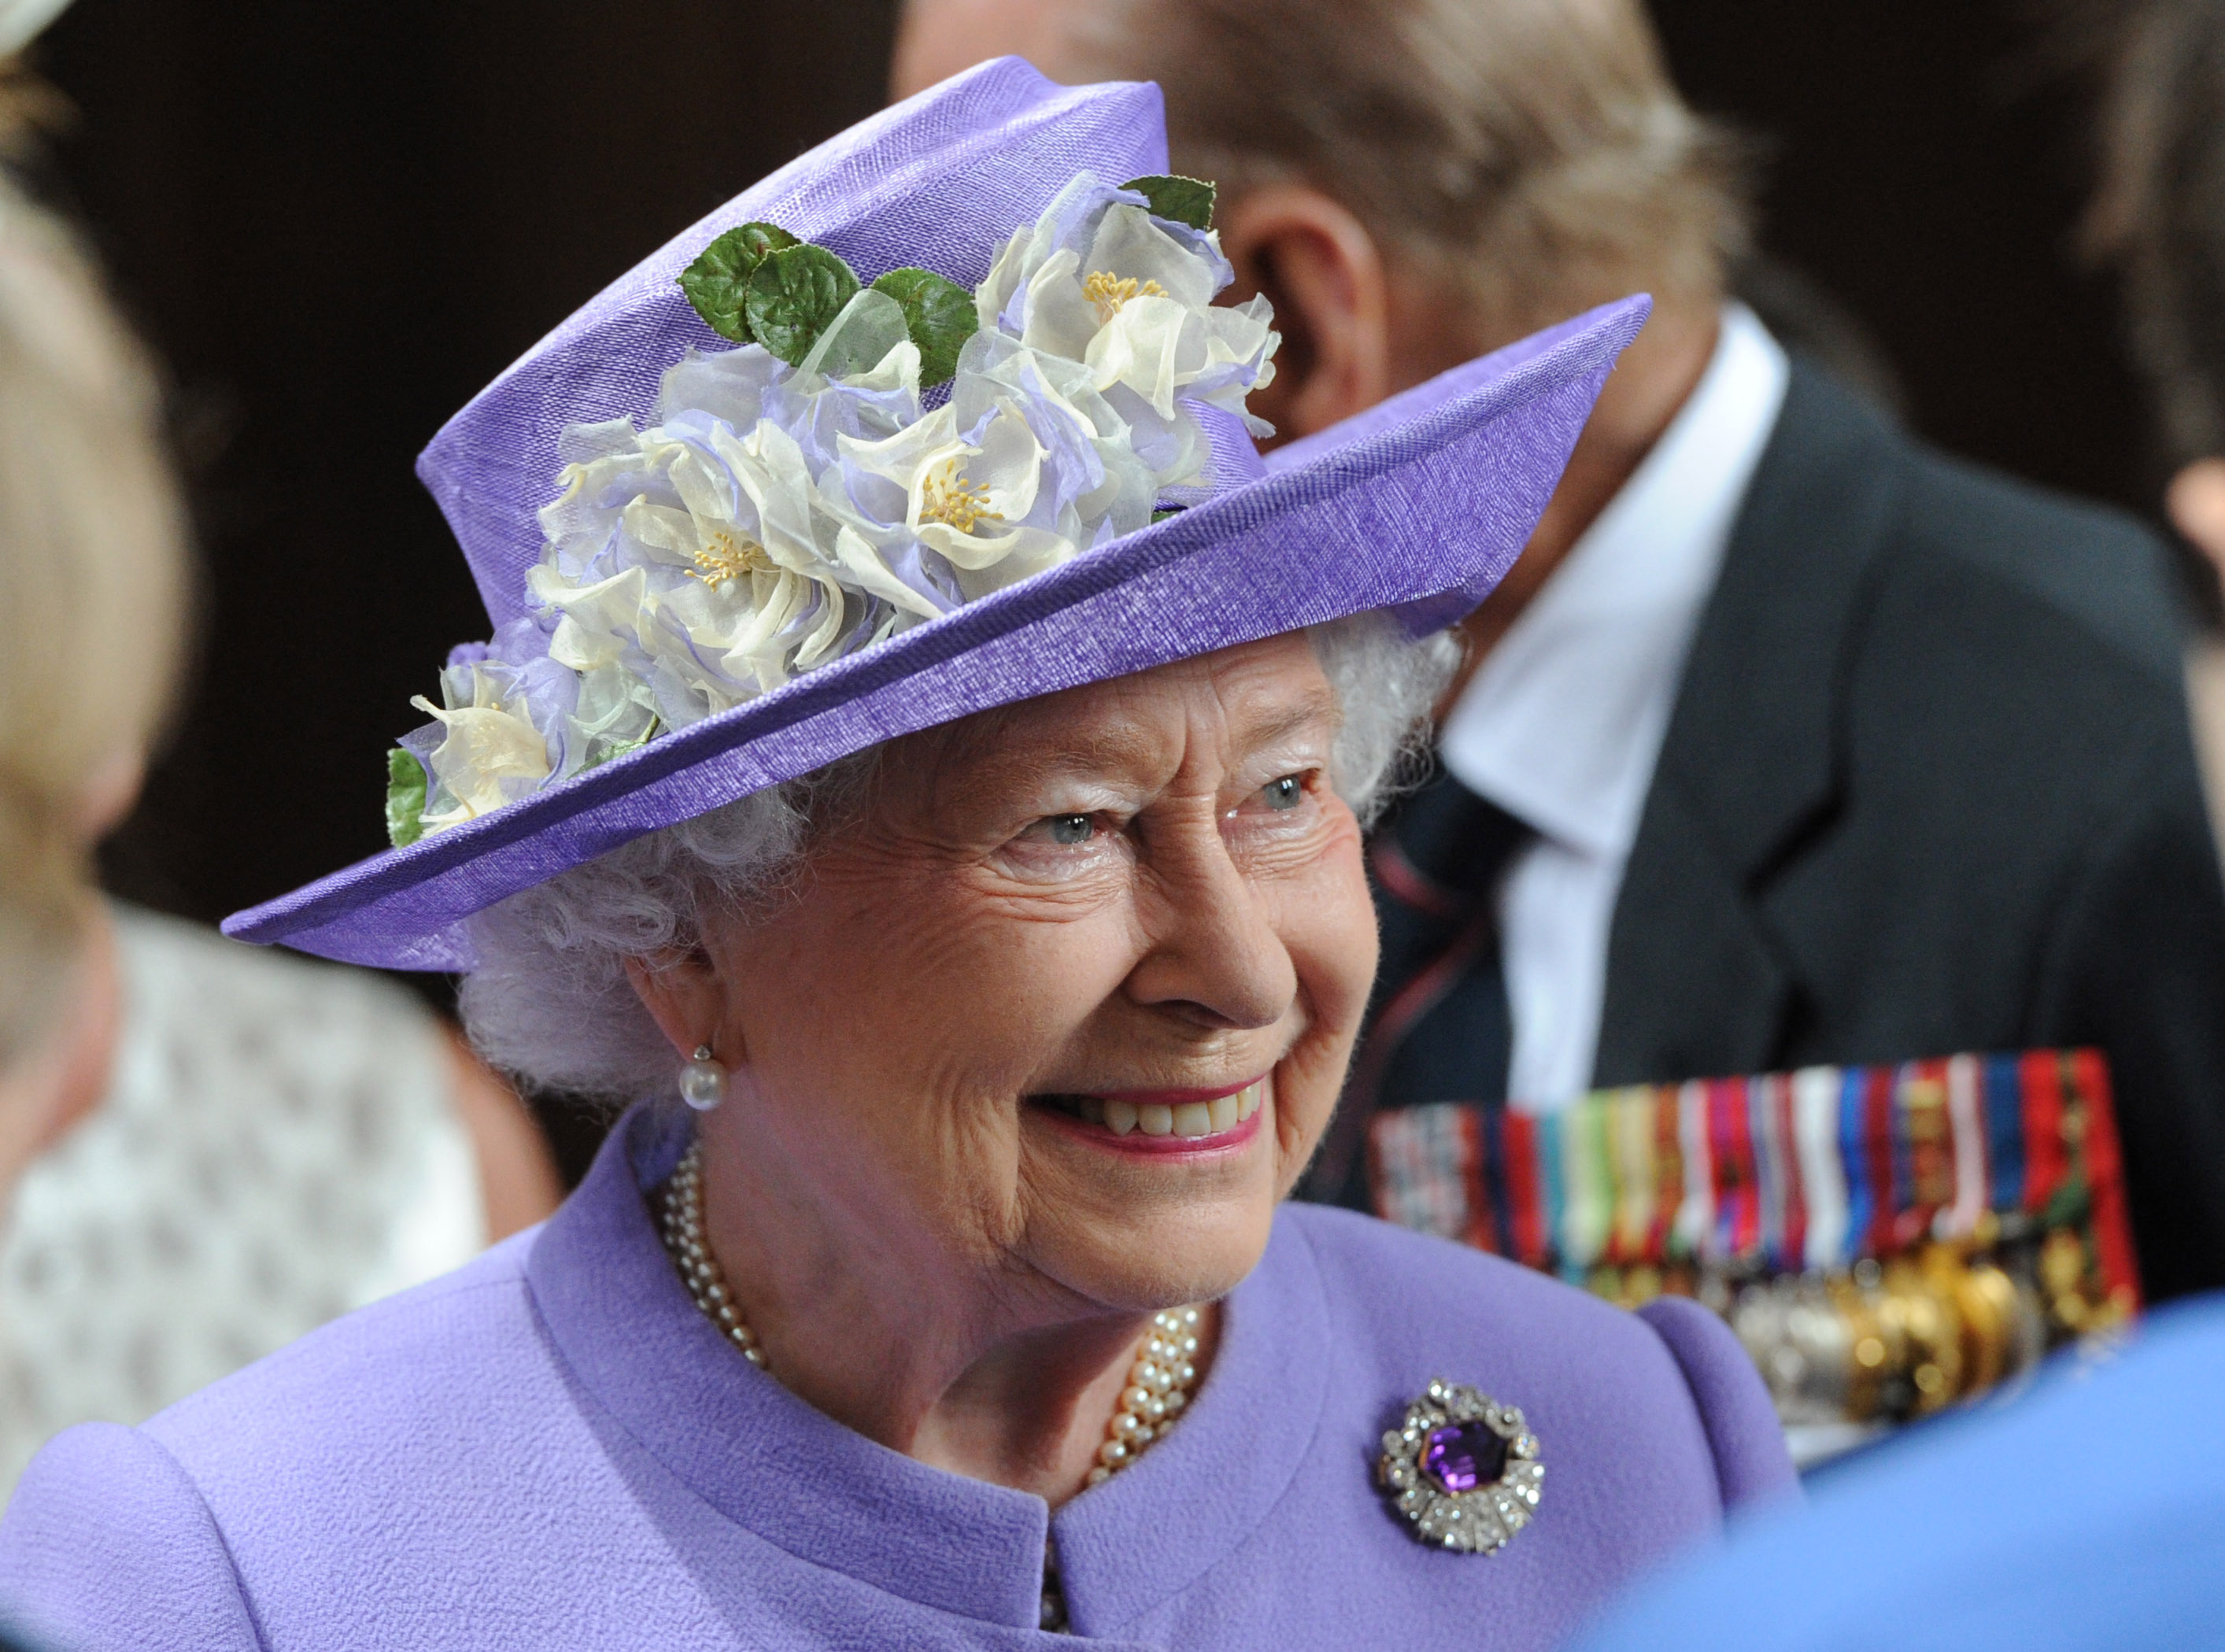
point(1533, 154)
point(550, 1002)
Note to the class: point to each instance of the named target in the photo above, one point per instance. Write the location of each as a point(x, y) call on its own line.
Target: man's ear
point(686, 999)
point(1321, 270)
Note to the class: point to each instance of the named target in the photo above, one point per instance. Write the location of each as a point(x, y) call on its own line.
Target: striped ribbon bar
point(1809, 1172)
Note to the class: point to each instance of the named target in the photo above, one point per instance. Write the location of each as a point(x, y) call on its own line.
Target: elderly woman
point(925, 738)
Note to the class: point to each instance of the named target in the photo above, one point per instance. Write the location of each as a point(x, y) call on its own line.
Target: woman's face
point(1069, 1003)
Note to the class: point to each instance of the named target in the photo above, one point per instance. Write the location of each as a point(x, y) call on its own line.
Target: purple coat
point(552, 1448)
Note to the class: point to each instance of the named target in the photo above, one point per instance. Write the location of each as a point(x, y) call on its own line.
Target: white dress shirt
point(1562, 723)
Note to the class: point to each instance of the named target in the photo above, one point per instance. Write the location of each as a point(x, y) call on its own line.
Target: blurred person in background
point(2159, 217)
point(205, 1150)
point(1789, 740)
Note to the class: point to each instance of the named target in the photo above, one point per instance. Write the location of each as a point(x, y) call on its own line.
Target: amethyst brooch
point(1462, 1470)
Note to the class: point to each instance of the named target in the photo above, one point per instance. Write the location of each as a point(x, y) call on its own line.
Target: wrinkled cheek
point(954, 1159)
point(1335, 950)
point(1335, 957)
point(1308, 1084)
point(1307, 1088)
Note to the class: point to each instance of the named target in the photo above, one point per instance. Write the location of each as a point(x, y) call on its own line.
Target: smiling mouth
point(1186, 1116)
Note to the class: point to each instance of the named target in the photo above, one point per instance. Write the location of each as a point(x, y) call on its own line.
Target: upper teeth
point(1188, 1118)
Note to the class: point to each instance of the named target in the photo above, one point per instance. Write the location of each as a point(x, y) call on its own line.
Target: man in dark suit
point(1927, 787)
point(1788, 740)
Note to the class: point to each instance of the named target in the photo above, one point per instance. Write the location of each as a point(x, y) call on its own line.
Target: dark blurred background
point(337, 222)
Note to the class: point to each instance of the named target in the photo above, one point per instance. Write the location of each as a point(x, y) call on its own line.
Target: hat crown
point(939, 181)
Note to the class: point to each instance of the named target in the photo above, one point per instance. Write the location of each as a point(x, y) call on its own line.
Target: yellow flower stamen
point(948, 498)
point(1109, 292)
point(727, 559)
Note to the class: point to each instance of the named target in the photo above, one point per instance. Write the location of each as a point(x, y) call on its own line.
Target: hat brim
point(1419, 507)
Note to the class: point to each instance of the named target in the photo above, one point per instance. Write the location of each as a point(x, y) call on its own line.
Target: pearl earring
point(703, 1081)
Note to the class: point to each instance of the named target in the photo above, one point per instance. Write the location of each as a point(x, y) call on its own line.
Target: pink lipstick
point(1167, 1121)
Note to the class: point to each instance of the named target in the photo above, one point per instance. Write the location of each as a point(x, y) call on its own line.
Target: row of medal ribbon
point(1885, 1239)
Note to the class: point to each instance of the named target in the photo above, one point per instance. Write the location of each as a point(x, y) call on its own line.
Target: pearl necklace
point(1159, 1382)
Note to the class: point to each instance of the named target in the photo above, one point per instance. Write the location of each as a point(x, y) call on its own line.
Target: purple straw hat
point(1417, 507)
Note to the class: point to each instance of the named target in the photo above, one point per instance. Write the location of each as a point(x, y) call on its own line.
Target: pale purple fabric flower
point(777, 516)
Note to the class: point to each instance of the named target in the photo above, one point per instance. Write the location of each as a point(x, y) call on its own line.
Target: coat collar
point(620, 1320)
point(1754, 748)
point(1755, 757)
point(623, 1323)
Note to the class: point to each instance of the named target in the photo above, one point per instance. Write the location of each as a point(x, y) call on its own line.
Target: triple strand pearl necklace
point(1159, 1382)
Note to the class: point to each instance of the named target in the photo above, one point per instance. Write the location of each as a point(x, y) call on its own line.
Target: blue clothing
point(2089, 1513)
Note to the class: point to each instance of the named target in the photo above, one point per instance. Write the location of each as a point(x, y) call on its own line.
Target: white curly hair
point(549, 1001)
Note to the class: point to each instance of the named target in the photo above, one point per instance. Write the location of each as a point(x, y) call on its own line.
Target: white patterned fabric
point(279, 1144)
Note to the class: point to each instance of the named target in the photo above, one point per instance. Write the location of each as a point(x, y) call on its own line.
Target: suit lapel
point(1752, 760)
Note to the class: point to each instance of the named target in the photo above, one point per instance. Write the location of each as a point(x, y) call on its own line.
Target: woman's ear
point(684, 996)
point(1323, 273)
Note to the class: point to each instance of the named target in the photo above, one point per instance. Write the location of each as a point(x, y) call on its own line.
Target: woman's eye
point(1284, 794)
point(1055, 846)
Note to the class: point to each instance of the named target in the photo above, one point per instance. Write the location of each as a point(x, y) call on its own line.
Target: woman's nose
point(1214, 952)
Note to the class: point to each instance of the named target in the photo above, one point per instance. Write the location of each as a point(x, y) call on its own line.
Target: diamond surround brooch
point(1462, 1470)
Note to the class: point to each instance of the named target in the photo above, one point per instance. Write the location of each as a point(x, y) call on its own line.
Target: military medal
point(1462, 1470)
point(1885, 1240)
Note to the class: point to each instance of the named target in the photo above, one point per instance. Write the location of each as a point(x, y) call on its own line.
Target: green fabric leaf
point(405, 798)
point(618, 748)
point(717, 281)
point(795, 295)
point(940, 313)
point(1180, 200)
point(871, 324)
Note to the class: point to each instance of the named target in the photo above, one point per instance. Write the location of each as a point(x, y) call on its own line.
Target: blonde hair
point(92, 590)
point(1534, 151)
